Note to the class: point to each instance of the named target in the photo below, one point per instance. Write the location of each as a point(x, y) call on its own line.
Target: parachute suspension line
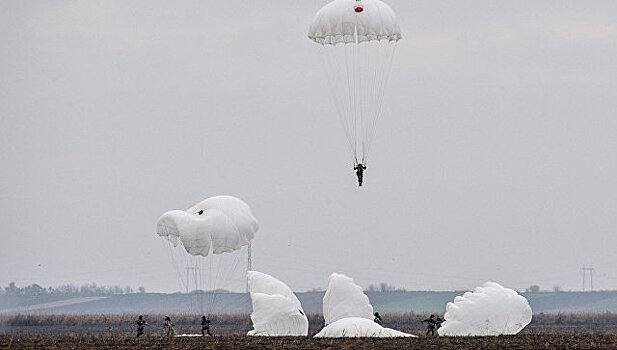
point(210, 282)
point(351, 90)
point(216, 265)
point(176, 256)
point(373, 67)
point(170, 251)
point(222, 272)
point(368, 66)
point(374, 63)
point(385, 76)
point(359, 100)
point(340, 108)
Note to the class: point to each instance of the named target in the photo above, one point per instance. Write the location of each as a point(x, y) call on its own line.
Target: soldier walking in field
point(431, 325)
point(205, 326)
point(141, 324)
point(168, 327)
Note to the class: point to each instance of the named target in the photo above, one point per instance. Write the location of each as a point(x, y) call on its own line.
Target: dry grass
point(238, 325)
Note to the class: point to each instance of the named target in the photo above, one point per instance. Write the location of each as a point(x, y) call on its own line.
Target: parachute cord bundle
point(357, 75)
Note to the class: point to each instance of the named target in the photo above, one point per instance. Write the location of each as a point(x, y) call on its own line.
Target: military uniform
point(141, 324)
point(205, 327)
point(378, 319)
point(359, 172)
point(431, 325)
point(168, 327)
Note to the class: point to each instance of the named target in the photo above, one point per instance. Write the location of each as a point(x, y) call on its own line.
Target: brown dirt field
point(527, 341)
point(575, 331)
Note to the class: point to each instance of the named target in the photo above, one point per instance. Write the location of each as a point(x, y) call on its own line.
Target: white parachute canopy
point(489, 310)
point(205, 243)
point(344, 299)
point(355, 327)
point(276, 309)
point(338, 23)
point(218, 224)
point(358, 48)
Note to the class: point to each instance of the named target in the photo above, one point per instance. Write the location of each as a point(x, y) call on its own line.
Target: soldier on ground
point(205, 326)
point(378, 319)
point(141, 324)
point(432, 324)
point(168, 327)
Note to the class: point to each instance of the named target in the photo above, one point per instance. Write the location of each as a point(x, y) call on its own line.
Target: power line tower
point(590, 270)
point(195, 270)
point(249, 264)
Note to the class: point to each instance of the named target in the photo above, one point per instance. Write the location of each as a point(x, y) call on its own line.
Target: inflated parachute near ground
point(344, 299)
point(276, 309)
point(348, 312)
point(218, 224)
point(206, 240)
point(358, 47)
point(489, 310)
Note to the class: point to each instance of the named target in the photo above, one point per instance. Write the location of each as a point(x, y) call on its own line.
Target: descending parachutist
point(358, 6)
point(359, 168)
point(368, 39)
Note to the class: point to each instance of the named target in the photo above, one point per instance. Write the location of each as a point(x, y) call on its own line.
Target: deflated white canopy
point(353, 327)
point(344, 299)
point(489, 310)
point(276, 310)
point(219, 224)
point(337, 22)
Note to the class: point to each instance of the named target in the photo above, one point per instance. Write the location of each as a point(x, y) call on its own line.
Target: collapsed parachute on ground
point(489, 310)
point(345, 299)
point(358, 48)
point(276, 309)
point(218, 224)
point(355, 327)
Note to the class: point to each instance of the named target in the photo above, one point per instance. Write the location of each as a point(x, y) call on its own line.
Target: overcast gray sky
point(494, 158)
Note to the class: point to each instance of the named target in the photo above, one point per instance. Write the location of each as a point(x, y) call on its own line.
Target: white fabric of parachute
point(344, 299)
point(489, 310)
point(336, 23)
point(276, 309)
point(355, 327)
point(218, 224)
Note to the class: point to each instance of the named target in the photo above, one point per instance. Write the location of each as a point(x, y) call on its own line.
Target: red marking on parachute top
point(359, 9)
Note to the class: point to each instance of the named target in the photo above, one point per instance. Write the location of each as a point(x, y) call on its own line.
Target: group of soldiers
point(168, 326)
point(433, 323)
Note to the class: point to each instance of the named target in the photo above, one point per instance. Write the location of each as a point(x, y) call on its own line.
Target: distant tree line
point(72, 290)
point(384, 288)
